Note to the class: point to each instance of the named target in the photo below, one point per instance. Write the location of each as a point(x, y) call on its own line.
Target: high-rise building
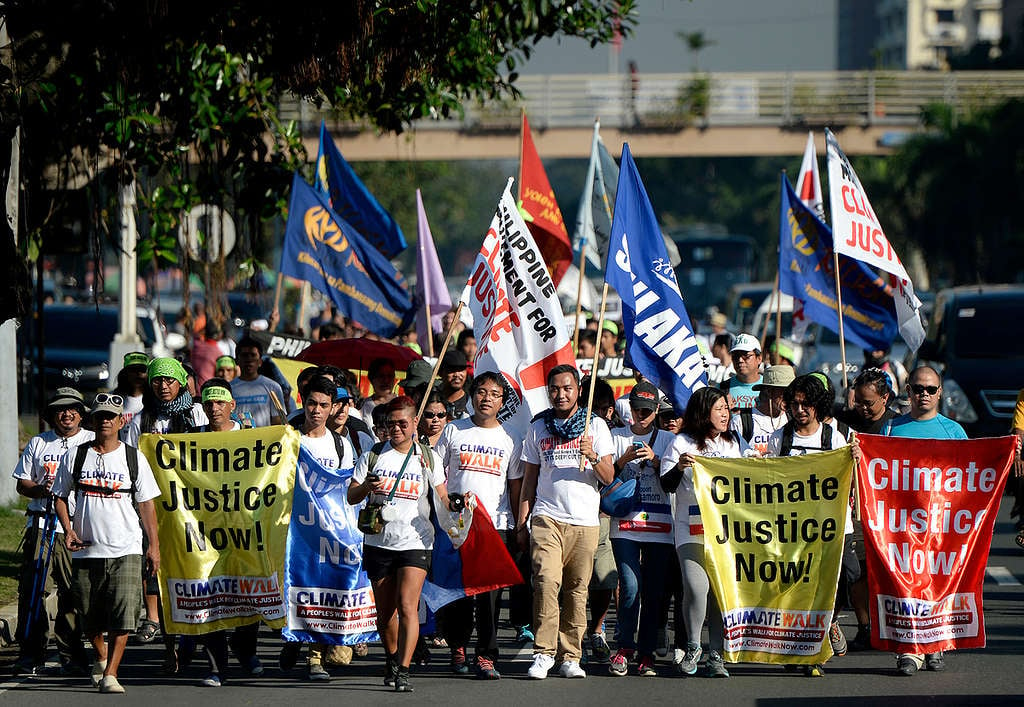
point(857, 30)
point(923, 34)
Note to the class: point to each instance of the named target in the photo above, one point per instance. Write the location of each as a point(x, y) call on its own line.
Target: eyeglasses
point(488, 394)
point(163, 382)
point(919, 389)
point(103, 398)
point(742, 355)
point(433, 415)
point(867, 405)
point(396, 423)
point(800, 404)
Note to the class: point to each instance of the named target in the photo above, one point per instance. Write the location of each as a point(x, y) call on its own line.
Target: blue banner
point(807, 272)
point(659, 336)
point(327, 592)
point(326, 251)
point(351, 200)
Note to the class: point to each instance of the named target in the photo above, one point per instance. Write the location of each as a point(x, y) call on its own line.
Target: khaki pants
point(563, 560)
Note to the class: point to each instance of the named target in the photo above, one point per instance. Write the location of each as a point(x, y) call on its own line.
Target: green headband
point(822, 378)
point(218, 393)
point(167, 368)
point(224, 362)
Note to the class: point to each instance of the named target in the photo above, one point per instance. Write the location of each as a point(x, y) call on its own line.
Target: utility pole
point(9, 446)
point(127, 338)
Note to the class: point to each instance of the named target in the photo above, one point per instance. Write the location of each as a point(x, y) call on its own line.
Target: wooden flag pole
point(430, 330)
point(593, 369)
point(839, 305)
point(302, 307)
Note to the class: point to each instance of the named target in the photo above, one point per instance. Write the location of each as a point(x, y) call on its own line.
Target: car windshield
point(978, 326)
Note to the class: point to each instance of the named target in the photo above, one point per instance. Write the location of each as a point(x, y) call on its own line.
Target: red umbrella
point(356, 354)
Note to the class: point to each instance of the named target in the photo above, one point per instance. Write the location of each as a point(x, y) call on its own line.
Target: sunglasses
point(434, 415)
point(103, 398)
point(919, 389)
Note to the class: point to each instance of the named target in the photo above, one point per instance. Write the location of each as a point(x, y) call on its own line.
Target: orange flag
point(540, 210)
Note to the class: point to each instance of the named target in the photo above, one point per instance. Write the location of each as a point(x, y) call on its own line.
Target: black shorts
point(380, 562)
point(850, 570)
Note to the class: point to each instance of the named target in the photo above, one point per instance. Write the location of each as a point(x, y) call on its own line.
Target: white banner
point(858, 234)
point(517, 319)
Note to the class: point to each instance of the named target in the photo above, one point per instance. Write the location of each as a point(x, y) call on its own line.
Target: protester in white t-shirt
point(481, 459)
point(105, 537)
point(562, 496)
point(705, 433)
point(254, 394)
point(397, 559)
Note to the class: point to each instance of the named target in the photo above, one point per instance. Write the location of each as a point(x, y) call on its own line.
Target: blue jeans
point(642, 567)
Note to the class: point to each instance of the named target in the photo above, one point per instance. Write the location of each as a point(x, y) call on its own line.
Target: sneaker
point(935, 662)
point(677, 657)
point(26, 667)
point(716, 666)
point(390, 671)
point(485, 669)
point(524, 635)
point(862, 641)
point(571, 669)
point(289, 655)
point(317, 673)
point(458, 664)
point(645, 668)
point(542, 663)
point(619, 664)
point(662, 650)
point(96, 672)
point(837, 638)
point(688, 664)
point(212, 681)
point(817, 670)
point(402, 680)
point(599, 648)
point(110, 686)
point(907, 664)
point(254, 667)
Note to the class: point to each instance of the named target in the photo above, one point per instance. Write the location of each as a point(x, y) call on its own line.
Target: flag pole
point(593, 369)
point(519, 180)
point(839, 305)
point(277, 302)
point(430, 330)
point(302, 307)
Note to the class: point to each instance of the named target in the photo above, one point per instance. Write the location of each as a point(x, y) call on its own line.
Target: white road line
point(1002, 576)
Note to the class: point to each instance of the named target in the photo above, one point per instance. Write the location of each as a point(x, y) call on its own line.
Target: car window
point(82, 328)
point(978, 326)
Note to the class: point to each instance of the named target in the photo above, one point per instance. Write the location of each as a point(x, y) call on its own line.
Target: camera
point(456, 502)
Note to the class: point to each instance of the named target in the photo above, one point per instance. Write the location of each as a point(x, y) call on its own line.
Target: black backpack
point(131, 455)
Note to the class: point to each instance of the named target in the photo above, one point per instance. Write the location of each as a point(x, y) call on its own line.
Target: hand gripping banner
point(773, 544)
point(226, 499)
point(928, 512)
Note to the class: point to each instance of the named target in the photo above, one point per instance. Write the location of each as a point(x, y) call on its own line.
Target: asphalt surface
point(994, 675)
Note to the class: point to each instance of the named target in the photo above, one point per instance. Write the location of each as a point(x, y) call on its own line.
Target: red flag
point(928, 512)
point(540, 210)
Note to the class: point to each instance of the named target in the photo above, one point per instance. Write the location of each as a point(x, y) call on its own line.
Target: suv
point(982, 368)
point(76, 341)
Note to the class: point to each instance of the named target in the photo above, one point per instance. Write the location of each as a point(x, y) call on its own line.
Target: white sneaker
point(542, 663)
point(571, 669)
point(110, 686)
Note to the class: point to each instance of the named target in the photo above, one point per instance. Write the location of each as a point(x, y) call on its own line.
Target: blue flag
point(807, 272)
point(324, 250)
point(351, 200)
point(327, 592)
point(659, 337)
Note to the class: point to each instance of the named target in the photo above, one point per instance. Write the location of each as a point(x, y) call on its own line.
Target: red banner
point(928, 511)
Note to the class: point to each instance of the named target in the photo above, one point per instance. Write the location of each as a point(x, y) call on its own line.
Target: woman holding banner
point(397, 476)
point(706, 433)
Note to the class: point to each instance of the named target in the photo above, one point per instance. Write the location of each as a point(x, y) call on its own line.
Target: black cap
point(454, 360)
point(644, 396)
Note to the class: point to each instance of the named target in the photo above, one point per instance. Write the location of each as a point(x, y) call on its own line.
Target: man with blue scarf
point(560, 501)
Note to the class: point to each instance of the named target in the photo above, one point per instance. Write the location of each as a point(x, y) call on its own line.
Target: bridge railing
point(675, 101)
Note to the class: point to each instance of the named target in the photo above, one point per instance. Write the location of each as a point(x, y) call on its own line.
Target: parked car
point(76, 345)
point(970, 341)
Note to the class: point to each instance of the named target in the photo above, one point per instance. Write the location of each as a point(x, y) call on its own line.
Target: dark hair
point(435, 397)
point(377, 364)
point(604, 395)
point(215, 383)
point(401, 402)
point(320, 384)
point(697, 418)
point(307, 374)
point(380, 415)
point(463, 335)
point(725, 339)
point(329, 329)
point(489, 377)
point(189, 372)
point(249, 342)
point(816, 394)
point(588, 335)
point(876, 379)
point(562, 369)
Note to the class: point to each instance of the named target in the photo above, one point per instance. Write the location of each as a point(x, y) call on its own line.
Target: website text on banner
point(226, 499)
point(773, 543)
point(329, 595)
point(928, 512)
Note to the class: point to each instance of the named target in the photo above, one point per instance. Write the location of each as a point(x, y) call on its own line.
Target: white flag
point(517, 319)
point(858, 234)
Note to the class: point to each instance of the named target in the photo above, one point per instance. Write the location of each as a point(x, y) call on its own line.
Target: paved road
point(990, 676)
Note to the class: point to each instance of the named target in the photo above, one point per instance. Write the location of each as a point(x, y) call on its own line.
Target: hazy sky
point(748, 35)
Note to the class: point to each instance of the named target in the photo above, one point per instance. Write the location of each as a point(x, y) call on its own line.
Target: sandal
point(147, 631)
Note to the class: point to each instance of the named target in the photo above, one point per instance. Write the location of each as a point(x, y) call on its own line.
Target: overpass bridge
point(676, 115)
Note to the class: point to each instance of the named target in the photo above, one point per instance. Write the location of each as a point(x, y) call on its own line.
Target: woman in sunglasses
point(435, 417)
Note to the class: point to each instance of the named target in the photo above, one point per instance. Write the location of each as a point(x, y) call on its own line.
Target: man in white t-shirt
point(113, 489)
point(480, 458)
point(34, 474)
point(253, 393)
point(757, 424)
point(564, 501)
point(746, 359)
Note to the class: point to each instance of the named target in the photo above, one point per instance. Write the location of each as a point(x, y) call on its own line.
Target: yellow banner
point(223, 523)
point(773, 543)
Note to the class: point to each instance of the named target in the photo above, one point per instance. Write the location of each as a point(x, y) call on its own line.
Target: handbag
point(620, 498)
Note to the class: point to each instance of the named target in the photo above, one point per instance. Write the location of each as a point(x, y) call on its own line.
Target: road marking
point(1002, 576)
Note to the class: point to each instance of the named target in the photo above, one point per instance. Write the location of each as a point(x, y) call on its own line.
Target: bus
point(710, 264)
